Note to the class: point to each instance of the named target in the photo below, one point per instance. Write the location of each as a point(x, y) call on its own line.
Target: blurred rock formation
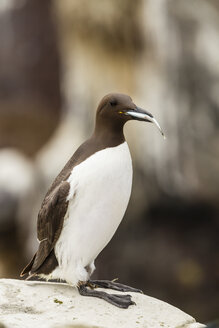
point(19, 192)
point(29, 81)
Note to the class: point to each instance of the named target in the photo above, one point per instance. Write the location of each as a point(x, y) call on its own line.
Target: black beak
point(142, 115)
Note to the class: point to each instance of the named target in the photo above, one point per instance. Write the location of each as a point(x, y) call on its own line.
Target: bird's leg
point(112, 285)
point(121, 301)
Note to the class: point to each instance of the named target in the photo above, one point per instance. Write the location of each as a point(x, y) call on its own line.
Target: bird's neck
point(110, 133)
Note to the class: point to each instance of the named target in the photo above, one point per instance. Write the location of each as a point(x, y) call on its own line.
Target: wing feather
point(49, 224)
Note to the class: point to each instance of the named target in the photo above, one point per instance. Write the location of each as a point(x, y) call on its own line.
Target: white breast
point(99, 194)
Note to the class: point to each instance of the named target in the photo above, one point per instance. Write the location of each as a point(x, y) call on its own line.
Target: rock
point(57, 305)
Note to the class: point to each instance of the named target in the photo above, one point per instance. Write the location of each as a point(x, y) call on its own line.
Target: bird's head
point(115, 109)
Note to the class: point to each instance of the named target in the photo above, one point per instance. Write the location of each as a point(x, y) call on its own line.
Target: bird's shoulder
point(84, 151)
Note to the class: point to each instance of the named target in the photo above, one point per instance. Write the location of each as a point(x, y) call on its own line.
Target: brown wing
point(49, 224)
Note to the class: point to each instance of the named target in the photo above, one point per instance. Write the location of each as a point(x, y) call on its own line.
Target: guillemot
point(86, 203)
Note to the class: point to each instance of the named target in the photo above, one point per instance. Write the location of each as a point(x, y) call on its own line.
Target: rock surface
point(40, 304)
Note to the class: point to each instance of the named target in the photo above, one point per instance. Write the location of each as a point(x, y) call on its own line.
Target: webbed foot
point(121, 301)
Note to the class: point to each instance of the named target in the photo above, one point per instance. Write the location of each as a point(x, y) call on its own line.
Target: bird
point(86, 202)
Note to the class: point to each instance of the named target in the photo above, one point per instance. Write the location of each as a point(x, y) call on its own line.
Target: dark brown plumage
point(108, 133)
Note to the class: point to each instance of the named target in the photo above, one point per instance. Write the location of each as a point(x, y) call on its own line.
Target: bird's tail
point(28, 267)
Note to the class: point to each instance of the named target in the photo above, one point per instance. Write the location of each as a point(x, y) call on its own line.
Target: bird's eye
point(113, 102)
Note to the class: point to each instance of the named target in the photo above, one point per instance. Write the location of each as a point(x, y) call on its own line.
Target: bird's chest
point(104, 178)
point(99, 194)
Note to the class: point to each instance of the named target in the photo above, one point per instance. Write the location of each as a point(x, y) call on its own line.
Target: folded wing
point(49, 225)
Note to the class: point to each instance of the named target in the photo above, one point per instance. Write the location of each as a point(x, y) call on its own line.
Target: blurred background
point(57, 60)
